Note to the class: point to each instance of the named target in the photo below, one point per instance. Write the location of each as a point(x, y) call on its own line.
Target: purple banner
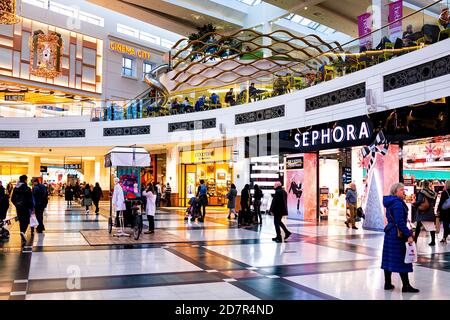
point(365, 27)
point(395, 13)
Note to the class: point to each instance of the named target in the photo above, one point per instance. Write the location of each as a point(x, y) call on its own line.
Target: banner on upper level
point(395, 13)
point(364, 28)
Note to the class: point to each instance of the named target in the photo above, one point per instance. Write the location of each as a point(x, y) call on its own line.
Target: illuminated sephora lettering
point(340, 134)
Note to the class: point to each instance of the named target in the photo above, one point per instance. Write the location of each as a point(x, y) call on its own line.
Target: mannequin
point(118, 202)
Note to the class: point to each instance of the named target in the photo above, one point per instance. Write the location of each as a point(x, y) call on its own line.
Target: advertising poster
point(294, 187)
point(190, 185)
point(130, 181)
point(395, 13)
point(365, 27)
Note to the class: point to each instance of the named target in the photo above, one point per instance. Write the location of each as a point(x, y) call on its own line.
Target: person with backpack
point(40, 197)
point(444, 211)
point(424, 207)
point(202, 194)
point(97, 194)
point(22, 198)
point(87, 197)
point(257, 197)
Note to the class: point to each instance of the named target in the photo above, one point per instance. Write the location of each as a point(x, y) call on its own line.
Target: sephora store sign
point(350, 132)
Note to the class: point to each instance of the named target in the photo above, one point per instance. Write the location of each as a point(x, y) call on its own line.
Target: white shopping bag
point(411, 253)
point(33, 221)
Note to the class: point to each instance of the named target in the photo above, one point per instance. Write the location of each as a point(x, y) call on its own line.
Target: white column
point(380, 16)
point(172, 162)
point(101, 174)
point(89, 171)
point(241, 166)
point(34, 167)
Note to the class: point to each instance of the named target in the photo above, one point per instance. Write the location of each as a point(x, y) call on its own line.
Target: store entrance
point(425, 159)
point(337, 169)
point(218, 178)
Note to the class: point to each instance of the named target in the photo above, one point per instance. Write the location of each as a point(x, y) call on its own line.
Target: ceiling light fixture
point(306, 8)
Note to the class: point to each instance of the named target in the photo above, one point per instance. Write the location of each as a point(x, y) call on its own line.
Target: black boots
point(433, 238)
point(406, 286)
point(277, 239)
point(387, 280)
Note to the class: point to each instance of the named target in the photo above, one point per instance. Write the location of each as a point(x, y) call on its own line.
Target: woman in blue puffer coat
point(394, 249)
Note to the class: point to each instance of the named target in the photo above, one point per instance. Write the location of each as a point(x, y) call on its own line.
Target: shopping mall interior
point(150, 150)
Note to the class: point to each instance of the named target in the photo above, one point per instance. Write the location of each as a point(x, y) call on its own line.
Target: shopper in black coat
point(245, 204)
point(279, 209)
point(257, 197)
point(22, 199)
point(425, 217)
point(97, 194)
point(444, 214)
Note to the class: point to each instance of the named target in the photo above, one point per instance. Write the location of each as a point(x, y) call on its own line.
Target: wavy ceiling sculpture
point(195, 62)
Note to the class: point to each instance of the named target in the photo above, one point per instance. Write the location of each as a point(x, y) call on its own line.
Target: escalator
point(156, 91)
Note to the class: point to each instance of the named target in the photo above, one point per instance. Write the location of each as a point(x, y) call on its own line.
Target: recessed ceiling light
point(306, 8)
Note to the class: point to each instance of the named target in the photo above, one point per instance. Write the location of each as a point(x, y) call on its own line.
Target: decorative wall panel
point(192, 125)
point(16, 45)
point(260, 115)
point(126, 131)
point(54, 134)
point(9, 134)
point(426, 71)
point(347, 94)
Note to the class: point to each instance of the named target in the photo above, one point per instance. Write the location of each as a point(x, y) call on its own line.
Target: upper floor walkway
point(416, 77)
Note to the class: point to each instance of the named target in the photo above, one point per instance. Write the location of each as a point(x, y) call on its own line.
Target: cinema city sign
point(340, 134)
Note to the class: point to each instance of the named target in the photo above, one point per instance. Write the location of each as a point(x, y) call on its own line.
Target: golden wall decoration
point(45, 54)
point(8, 12)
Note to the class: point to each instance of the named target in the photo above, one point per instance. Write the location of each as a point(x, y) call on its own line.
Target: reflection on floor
point(211, 260)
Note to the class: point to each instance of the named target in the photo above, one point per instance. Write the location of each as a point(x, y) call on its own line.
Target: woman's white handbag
point(33, 221)
point(411, 253)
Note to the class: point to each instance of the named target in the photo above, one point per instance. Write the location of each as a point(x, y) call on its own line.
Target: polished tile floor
point(210, 261)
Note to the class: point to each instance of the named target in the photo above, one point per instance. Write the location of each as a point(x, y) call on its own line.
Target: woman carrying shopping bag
point(396, 233)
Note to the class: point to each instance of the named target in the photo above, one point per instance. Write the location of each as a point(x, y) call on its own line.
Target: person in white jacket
point(150, 207)
point(118, 200)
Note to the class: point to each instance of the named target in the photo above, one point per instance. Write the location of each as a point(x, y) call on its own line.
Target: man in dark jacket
point(4, 202)
point(279, 209)
point(40, 197)
point(22, 199)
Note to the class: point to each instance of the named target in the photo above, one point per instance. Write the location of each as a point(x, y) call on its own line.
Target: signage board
point(14, 97)
point(43, 169)
point(339, 134)
point(206, 155)
point(69, 166)
point(131, 51)
point(294, 163)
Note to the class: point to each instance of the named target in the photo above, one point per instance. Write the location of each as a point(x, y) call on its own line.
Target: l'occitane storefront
point(214, 165)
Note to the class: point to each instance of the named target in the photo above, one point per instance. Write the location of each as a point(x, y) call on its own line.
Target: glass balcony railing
point(418, 29)
point(415, 30)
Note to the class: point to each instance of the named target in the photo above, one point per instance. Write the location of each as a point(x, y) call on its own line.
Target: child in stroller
point(194, 210)
point(4, 205)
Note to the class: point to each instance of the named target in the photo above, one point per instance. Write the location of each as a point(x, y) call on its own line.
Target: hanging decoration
point(45, 54)
point(430, 151)
point(8, 12)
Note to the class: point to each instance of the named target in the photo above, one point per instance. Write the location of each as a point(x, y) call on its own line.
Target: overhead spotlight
point(306, 8)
